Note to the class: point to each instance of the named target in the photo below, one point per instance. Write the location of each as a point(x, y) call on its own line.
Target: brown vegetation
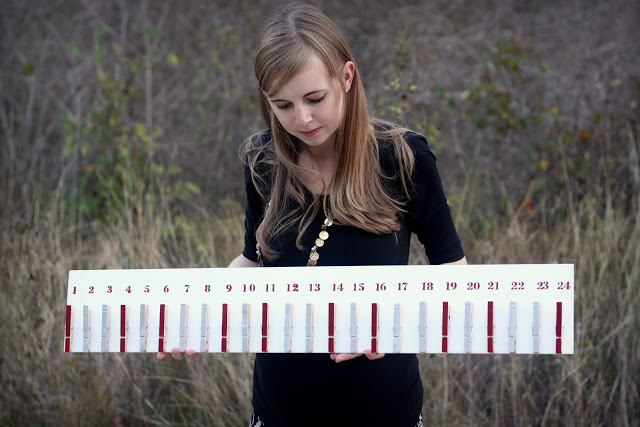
point(120, 124)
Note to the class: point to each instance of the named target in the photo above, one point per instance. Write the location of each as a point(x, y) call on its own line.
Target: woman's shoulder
point(258, 140)
point(418, 144)
point(388, 132)
point(258, 148)
point(396, 142)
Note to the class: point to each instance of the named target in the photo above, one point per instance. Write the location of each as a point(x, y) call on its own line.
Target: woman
point(329, 185)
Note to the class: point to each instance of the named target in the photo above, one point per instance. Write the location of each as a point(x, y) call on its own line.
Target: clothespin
point(86, 329)
point(184, 312)
point(422, 327)
point(204, 329)
point(225, 328)
point(536, 327)
point(559, 327)
point(288, 327)
point(374, 327)
point(332, 327)
point(490, 327)
point(512, 327)
point(353, 329)
point(162, 329)
point(105, 328)
point(468, 325)
point(124, 328)
point(265, 326)
point(245, 327)
point(68, 329)
point(396, 328)
point(144, 318)
point(446, 315)
point(309, 328)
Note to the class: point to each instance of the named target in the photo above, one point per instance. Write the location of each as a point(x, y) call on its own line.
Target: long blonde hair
point(357, 195)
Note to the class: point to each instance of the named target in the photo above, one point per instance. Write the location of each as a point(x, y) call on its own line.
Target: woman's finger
point(342, 357)
point(177, 354)
point(373, 356)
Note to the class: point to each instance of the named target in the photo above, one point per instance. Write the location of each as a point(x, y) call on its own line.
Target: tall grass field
point(120, 124)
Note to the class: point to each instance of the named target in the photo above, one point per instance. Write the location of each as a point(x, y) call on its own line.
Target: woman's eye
point(316, 100)
point(283, 107)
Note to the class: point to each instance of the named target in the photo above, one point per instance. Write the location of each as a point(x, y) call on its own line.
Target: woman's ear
point(348, 71)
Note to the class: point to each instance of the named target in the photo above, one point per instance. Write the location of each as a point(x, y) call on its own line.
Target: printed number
point(229, 287)
point(338, 287)
point(473, 286)
point(564, 285)
point(251, 288)
point(128, 289)
point(91, 289)
point(358, 287)
point(493, 286)
point(427, 286)
point(186, 288)
point(292, 288)
point(207, 288)
point(109, 289)
point(74, 290)
point(402, 286)
point(517, 286)
point(543, 285)
point(380, 287)
point(146, 289)
point(166, 289)
point(270, 287)
point(314, 287)
point(451, 286)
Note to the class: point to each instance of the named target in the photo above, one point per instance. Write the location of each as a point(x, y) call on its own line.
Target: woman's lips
point(311, 133)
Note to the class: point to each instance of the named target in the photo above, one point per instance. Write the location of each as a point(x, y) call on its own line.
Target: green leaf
point(544, 66)
point(173, 59)
point(74, 49)
point(191, 188)
point(28, 68)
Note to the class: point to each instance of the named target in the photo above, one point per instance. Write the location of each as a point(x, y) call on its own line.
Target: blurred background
point(120, 124)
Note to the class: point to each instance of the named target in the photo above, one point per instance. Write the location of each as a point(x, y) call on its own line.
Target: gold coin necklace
point(313, 255)
point(322, 236)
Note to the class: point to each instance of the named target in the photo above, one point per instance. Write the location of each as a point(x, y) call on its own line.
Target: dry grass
point(532, 110)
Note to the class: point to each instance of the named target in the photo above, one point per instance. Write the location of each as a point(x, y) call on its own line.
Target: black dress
point(311, 389)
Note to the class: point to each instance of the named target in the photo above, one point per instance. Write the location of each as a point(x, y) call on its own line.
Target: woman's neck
point(320, 160)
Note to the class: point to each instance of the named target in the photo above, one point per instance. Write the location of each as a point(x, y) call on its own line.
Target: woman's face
point(310, 105)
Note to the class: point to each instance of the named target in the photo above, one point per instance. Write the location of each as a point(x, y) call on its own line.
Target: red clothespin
point(558, 327)
point(445, 326)
point(374, 327)
point(123, 328)
point(490, 327)
point(162, 328)
point(225, 328)
point(265, 325)
point(332, 327)
point(68, 330)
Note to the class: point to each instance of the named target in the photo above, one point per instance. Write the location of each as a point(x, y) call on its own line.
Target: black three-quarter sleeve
point(255, 205)
point(429, 216)
point(253, 215)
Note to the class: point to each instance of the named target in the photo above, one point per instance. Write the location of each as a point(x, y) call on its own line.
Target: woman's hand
point(177, 354)
point(341, 357)
point(239, 261)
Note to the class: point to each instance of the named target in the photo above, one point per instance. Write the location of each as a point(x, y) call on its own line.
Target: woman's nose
point(302, 116)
